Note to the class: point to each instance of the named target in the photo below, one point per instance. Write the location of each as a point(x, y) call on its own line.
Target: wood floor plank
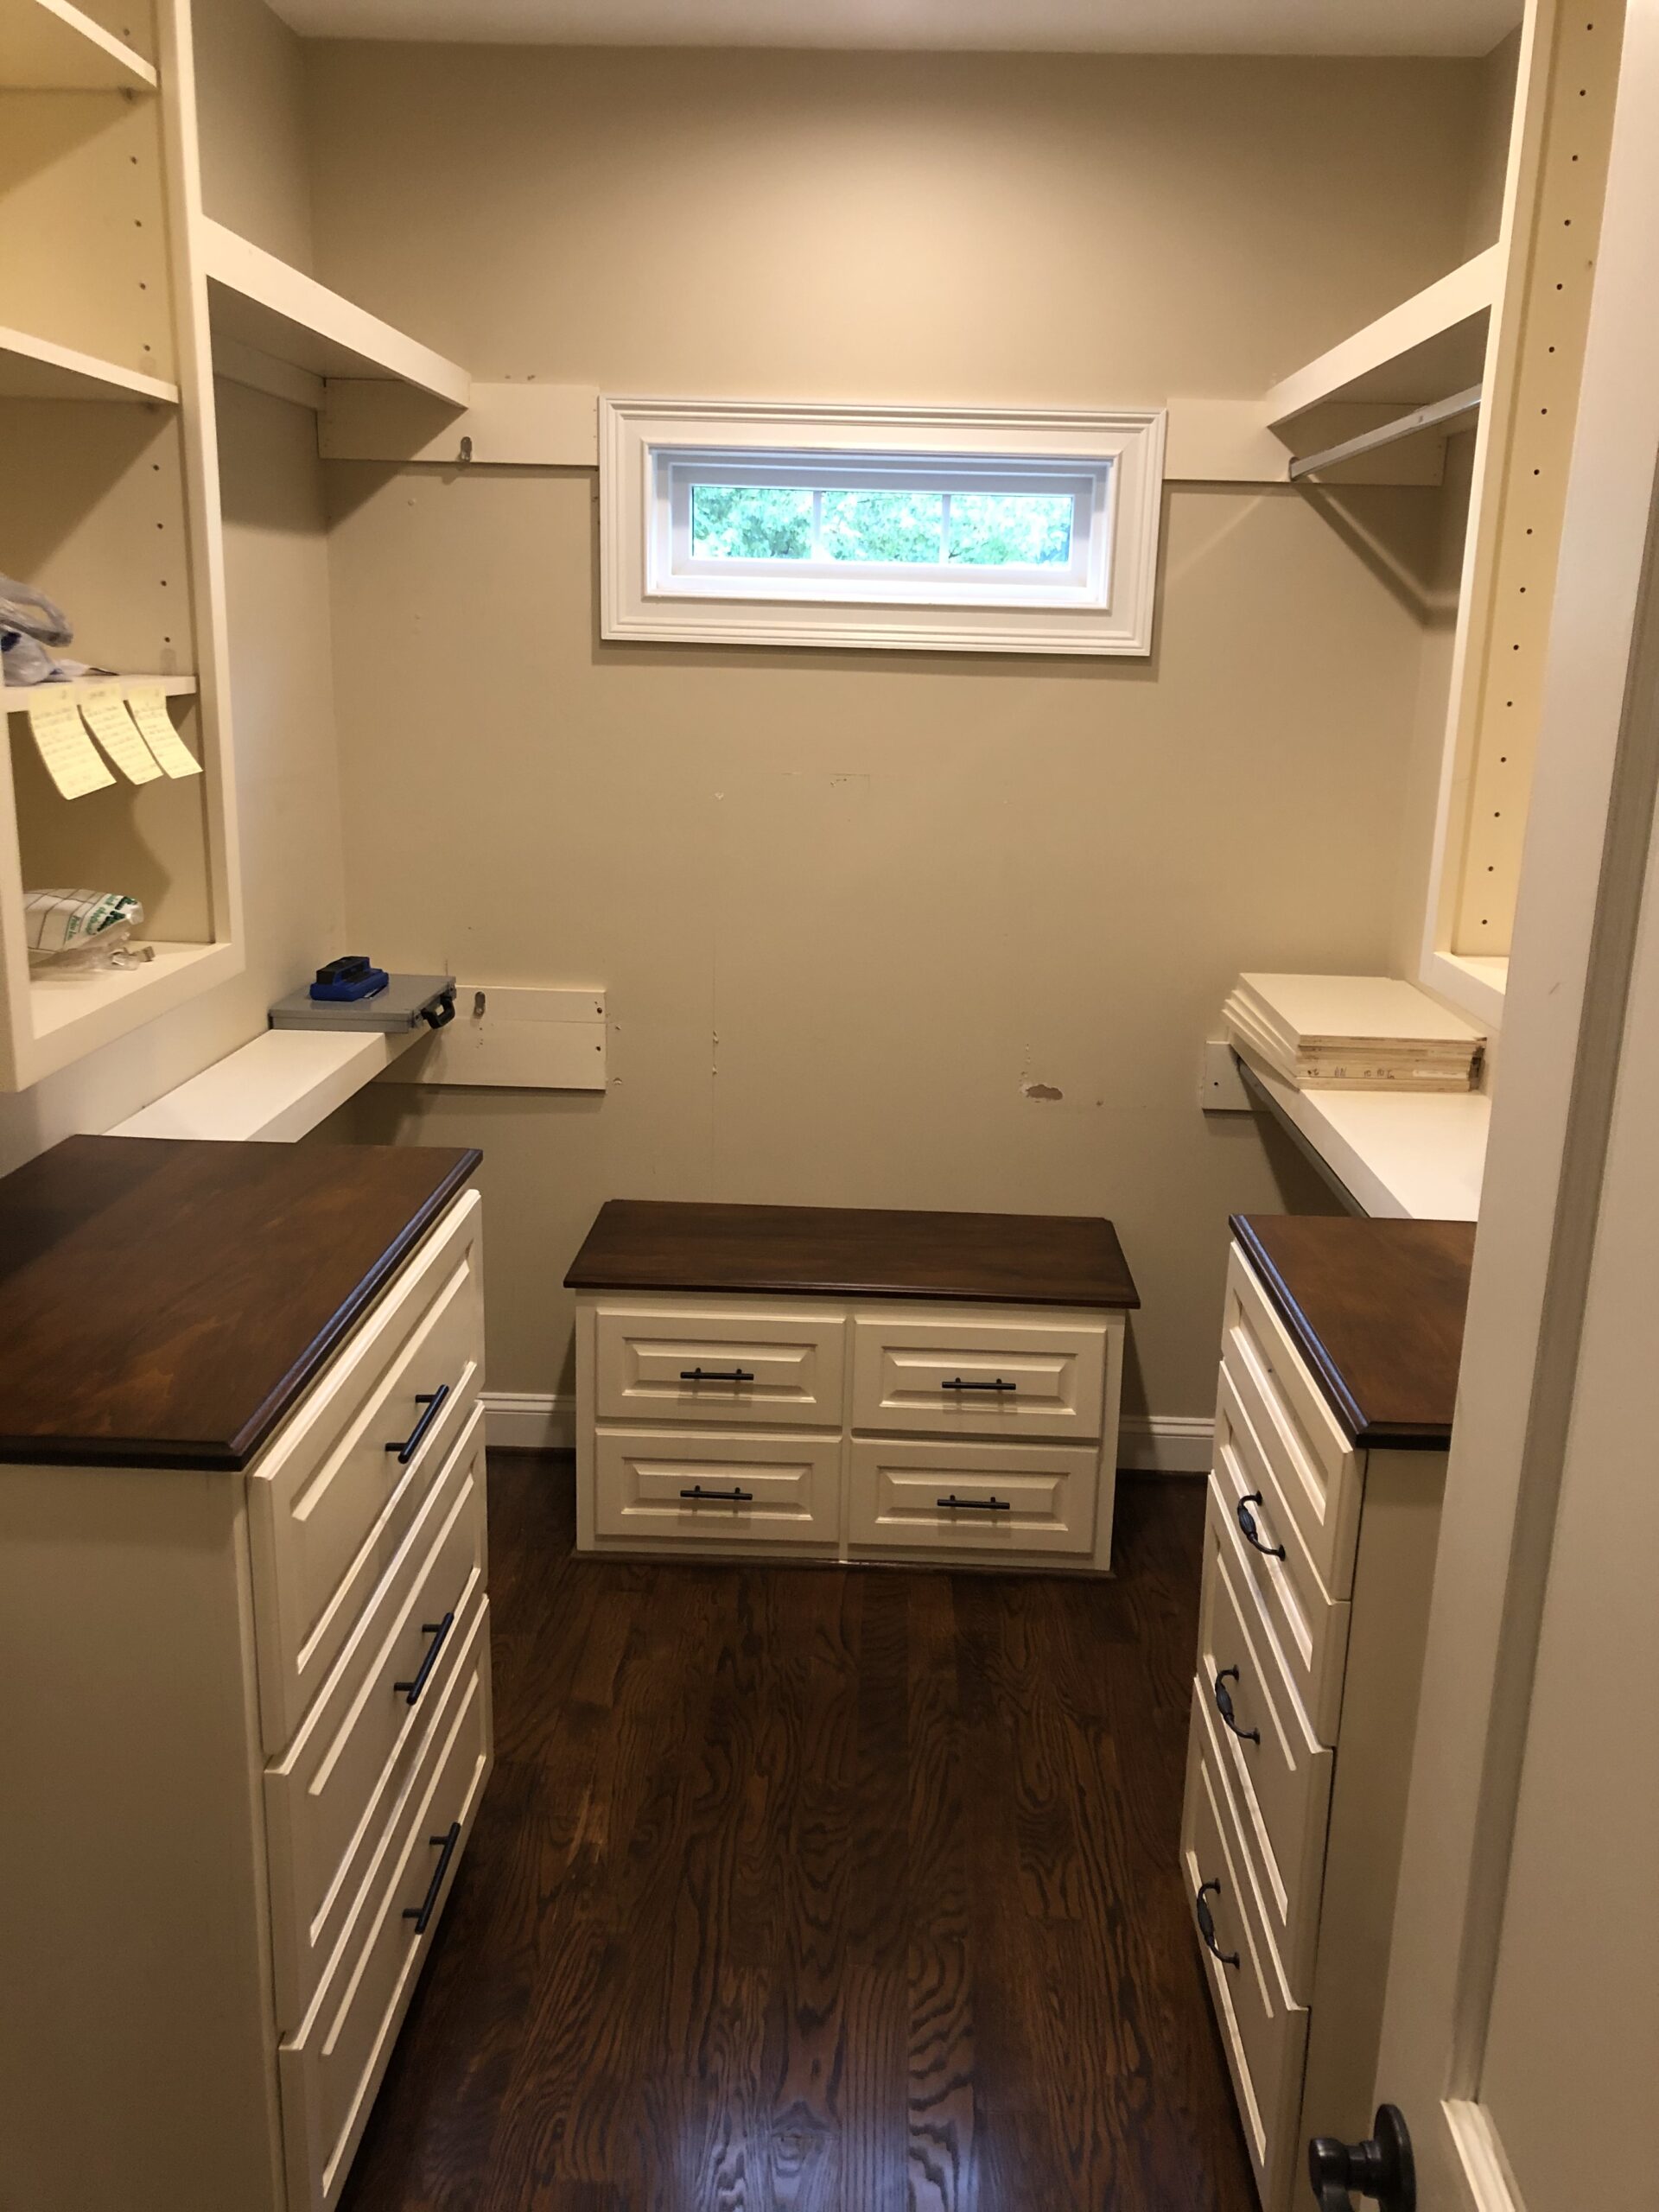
point(819, 1891)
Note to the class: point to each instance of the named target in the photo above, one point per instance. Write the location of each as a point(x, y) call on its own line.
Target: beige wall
point(852, 909)
point(256, 174)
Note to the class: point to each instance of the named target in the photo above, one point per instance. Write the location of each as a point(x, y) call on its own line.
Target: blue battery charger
point(351, 977)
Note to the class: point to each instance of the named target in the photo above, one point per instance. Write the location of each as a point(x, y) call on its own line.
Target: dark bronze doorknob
point(1379, 2168)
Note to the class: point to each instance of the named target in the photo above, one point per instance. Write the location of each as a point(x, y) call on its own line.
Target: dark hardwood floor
point(799, 1890)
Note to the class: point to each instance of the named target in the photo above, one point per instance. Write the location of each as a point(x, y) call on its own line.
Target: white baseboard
point(1165, 1444)
point(1161, 1444)
point(529, 1420)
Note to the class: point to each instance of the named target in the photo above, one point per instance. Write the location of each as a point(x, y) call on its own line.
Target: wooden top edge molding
point(851, 1252)
point(165, 1303)
point(1376, 1309)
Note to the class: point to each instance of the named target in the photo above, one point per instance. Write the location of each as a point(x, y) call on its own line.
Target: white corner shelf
point(35, 368)
point(48, 46)
point(18, 698)
point(255, 299)
point(1412, 1155)
point(277, 1088)
point(1428, 347)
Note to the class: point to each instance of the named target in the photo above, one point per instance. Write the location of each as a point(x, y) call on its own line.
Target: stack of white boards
point(1352, 1032)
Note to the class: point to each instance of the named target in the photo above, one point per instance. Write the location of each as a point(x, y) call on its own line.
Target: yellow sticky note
point(148, 706)
point(71, 757)
point(105, 713)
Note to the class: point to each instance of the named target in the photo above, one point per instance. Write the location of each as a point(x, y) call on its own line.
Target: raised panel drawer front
point(993, 1499)
point(1263, 2031)
point(999, 1375)
point(327, 1802)
point(697, 1487)
point(332, 2067)
point(1319, 1471)
point(1309, 1627)
point(728, 1365)
point(333, 1498)
point(1281, 1775)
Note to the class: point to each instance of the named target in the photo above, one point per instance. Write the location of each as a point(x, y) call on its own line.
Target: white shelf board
point(18, 698)
point(1411, 1155)
point(254, 300)
point(278, 1087)
point(35, 368)
point(1428, 347)
point(48, 46)
point(72, 1015)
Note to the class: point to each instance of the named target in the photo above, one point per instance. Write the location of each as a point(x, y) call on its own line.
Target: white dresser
point(835, 1383)
point(247, 1625)
point(1339, 1352)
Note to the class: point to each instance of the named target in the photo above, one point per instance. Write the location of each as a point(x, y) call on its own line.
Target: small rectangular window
point(967, 529)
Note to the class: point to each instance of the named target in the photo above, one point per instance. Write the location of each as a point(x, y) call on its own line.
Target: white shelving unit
point(48, 46)
point(110, 507)
point(1430, 345)
point(17, 698)
point(260, 302)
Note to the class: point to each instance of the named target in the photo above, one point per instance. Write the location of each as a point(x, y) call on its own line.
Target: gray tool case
point(407, 1002)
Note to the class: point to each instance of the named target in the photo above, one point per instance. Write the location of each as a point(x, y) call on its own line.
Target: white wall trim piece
point(529, 1420)
point(638, 437)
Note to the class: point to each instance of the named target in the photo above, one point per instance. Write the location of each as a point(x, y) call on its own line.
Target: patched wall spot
point(1041, 1090)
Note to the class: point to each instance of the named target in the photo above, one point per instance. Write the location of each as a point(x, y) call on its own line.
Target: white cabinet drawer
point(730, 1365)
point(993, 1499)
point(1280, 1777)
point(1317, 1469)
point(327, 1802)
point(1264, 2032)
point(333, 1498)
point(996, 1377)
point(703, 1488)
point(331, 2069)
point(1310, 1628)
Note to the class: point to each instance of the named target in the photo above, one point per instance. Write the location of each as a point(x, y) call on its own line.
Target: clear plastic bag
point(29, 622)
point(71, 931)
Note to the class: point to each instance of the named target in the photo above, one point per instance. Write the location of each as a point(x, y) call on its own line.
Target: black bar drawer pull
point(976, 1504)
point(714, 1375)
point(963, 1382)
point(1247, 1522)
point(1207, 1924)
point(437, 1630)
point(433, 1402)
point(734, 1496)
point(445, 1847)
point(1225, 1706)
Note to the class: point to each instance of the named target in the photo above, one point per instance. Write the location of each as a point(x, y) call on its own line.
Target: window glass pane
point(996, 528)
point(750, 522)
point(882, 526)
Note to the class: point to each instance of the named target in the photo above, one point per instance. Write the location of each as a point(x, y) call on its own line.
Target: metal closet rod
point(1421, 418)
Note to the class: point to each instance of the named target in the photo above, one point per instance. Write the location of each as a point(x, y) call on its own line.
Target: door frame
point(1586, 856)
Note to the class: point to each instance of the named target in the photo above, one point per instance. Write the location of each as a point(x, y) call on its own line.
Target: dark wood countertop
point(1375, 1309)
point(164, 1302)
point(1013, 1259)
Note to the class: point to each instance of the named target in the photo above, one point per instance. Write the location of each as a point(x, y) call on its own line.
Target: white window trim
point(650, 589)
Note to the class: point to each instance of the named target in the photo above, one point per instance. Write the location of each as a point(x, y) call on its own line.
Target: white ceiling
point(1062, 26)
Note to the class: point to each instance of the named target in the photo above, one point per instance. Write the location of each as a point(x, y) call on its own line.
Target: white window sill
point(1410, 1155)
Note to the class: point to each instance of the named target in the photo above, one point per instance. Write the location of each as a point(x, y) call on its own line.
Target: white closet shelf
point(35, 368)
point(1411, 1155)
point(19, 697)
point(256, 300)
point(277, 1088)
point(48, 46)
point(72, 1015)
point(1431, 344)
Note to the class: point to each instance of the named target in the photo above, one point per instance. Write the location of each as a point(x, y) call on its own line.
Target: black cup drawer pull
point(433, 1402)
point(716, 1375)
point(445, 1847)
point(964, 1383)
point(1207, 1924)
point(1225, 1706)
point(976, 1504)
point(698, 1496)
point(438, 1630)
point(1247, 1522)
